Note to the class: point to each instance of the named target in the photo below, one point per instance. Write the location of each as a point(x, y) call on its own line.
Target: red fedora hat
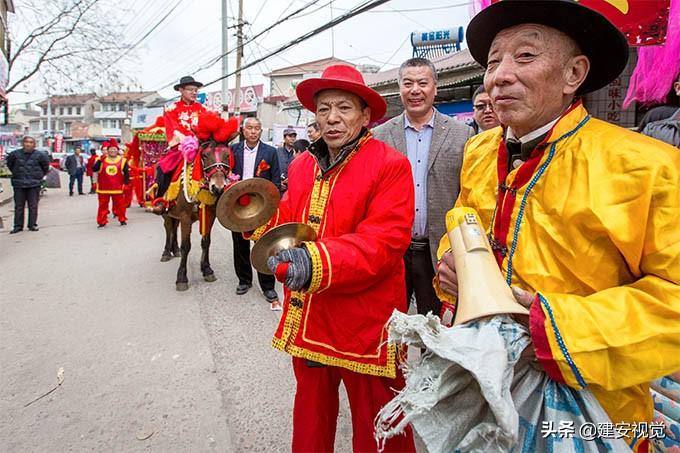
point(341, 77)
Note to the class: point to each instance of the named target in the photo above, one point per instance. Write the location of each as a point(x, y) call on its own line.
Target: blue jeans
point(78, 175)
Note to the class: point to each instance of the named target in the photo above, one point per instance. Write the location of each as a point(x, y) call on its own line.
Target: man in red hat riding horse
point(357, 194)
point(180, 118)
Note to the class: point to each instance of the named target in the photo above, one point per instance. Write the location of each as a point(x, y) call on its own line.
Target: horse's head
point(216, 160)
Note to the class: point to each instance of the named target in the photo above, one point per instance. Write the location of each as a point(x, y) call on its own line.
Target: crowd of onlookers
point(29, 171)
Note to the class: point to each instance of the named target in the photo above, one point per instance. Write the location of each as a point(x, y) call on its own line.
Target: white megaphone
point(482, 290)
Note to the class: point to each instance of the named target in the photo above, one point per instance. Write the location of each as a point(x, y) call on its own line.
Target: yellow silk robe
point(599, 242)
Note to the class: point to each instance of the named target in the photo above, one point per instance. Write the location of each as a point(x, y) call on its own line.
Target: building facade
point(86, 119)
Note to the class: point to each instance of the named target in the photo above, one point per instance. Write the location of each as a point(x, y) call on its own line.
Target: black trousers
point(244, 270)
point(419, 275)
point(77, 176)
point(22, 196)
point(163, 181)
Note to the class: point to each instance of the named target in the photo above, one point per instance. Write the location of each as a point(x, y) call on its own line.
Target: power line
point(139, 16)
point(355, 11)
point(162, 19)
point(415, 10)
point(264, 3)
point(396, 51)
point(265, 31)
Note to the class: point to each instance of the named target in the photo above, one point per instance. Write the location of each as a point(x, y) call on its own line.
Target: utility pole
point(239, 54)
point(225, 65)
point(332, 34)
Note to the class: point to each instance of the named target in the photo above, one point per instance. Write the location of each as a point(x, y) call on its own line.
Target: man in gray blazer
point(434, 144)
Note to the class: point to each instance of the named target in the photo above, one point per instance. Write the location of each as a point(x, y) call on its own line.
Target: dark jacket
point(266, 154)
point(28, 169)
point(285, 158)
point(71, 164)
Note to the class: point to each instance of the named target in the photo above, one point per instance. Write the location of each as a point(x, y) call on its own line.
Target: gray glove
point(299, 272)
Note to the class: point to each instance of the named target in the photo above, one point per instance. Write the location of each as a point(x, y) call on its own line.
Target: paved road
point(145, 368)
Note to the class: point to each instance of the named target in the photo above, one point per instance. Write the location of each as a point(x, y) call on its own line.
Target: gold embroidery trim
point(291, 326)
point(292, 322)
point(387, 370)
point(260, 231)
point(318, 201)
point(317, 266)
point(323, 248)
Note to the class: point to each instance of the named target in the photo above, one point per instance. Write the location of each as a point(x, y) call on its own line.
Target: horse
point(215, 158)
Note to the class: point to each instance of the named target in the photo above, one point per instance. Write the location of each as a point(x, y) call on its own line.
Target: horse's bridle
point(211, 169)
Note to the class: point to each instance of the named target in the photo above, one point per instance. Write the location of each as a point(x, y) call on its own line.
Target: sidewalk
point(7, 193)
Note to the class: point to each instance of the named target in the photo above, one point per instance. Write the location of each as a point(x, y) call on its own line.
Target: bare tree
point(71, 44)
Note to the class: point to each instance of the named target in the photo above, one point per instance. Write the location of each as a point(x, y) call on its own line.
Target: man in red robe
point(88, 170)
point(357, 194)
point(136, 186)
point(180, 119)
point(113, 177)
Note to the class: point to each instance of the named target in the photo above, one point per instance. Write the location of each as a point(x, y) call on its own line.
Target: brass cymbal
point(285, 236)
point(237, 214)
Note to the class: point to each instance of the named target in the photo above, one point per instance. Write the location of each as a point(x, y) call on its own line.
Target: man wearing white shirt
point(254, 159)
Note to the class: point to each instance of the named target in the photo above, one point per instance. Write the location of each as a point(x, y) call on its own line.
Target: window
point(44, 125)
point(61, 111)
point(70, 110)
point(44, 110)
point(77, 110)
point(67, 129)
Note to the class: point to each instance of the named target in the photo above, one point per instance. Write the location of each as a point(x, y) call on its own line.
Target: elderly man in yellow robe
point(583, 216)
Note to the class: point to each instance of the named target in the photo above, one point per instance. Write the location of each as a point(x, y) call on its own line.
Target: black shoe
point(33, 228)
point(16, 230)
point(242, 288)
point(70, 194)
point(271, 295)
point(101, 225)
point(81, 193)
point(123, 223)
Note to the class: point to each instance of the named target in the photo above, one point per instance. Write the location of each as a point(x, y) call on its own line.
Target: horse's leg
point(169, 234)
point(208, 273)
point(174, 244)
point(182, 283)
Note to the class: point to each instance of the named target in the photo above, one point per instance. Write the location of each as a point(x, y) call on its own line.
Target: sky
point(190, 37)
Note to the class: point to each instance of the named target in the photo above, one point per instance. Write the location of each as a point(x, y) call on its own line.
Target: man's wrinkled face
point(252, 131)
point(483, 112)
point(417, 90)
point(28, 144)
point(340, 117)
point(526, 75)
point(188, 93)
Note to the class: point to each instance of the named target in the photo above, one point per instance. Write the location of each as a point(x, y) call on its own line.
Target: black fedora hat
point(187, 80)
point(604, 45)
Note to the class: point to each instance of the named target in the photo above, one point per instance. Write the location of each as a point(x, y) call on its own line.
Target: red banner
point(644, 22)
point(58, 143)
